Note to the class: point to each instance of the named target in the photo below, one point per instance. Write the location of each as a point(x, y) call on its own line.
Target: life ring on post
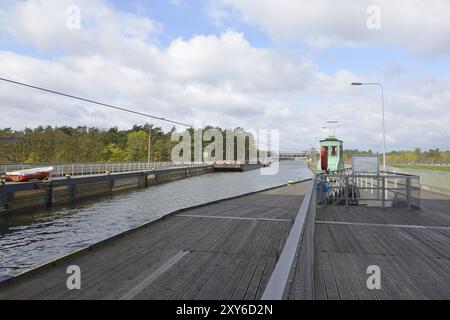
point(324, 158)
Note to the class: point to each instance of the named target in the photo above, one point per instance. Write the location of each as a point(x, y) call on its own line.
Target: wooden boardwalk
point(225, 250)
point(411, 247)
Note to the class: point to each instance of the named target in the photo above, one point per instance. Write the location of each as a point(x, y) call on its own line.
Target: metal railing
point(385, 189)
point(78, 169)
point(292, 277)
point(437, 181)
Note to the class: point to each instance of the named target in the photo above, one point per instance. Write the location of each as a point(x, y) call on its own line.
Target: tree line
point(90, 144)
point(405, 157)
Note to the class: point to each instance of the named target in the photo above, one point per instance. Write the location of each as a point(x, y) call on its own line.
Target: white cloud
point(420, 25)
point(219, 80)
point(231, 62)
point(43, 23)
point(207, 78)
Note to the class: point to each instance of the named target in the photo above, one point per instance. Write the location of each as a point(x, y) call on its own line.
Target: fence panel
point(437, 181)
point(75, 169)
point(375, 190)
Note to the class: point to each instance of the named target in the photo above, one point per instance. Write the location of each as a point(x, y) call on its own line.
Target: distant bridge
point(289, 155)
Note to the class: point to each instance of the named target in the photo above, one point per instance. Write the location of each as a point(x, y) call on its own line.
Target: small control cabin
point(333, 149)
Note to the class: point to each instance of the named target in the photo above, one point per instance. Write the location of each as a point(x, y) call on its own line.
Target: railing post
point(371, 186)
point(346, 191)
point(353, 188)
point(408, 191)
point(386, 185)
point(383, 182)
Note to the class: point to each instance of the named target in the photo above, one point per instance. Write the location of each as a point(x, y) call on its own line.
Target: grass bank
point(422, 167)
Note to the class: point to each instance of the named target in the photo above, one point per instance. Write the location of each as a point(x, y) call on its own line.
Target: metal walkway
point(411, 248)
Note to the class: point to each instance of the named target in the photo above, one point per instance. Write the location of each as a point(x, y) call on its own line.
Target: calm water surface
point(27, 240)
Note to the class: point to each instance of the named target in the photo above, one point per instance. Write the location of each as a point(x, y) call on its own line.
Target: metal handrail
point(437, 181)
point(278, 283)
point(348, 188)
point(79, 169)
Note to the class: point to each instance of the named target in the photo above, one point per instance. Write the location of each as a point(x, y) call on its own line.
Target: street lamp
point(149, 143)
point(332, 130)
point(333, 125)
point(382, 105)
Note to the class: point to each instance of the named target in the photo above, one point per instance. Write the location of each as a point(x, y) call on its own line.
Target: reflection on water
point(27, 240)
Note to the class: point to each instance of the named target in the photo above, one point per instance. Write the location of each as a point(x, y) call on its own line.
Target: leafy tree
point(137, 146)
point(83, 144)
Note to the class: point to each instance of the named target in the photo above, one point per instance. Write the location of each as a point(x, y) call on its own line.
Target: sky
point(257, 64)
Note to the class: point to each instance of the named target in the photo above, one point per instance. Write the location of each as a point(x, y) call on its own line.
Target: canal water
point(28, 240)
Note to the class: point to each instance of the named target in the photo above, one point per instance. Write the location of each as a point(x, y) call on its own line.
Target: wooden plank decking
point(411, 247)
point(228, 250)
point(225, 250)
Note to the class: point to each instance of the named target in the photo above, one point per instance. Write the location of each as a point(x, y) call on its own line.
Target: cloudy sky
point(261, 64)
